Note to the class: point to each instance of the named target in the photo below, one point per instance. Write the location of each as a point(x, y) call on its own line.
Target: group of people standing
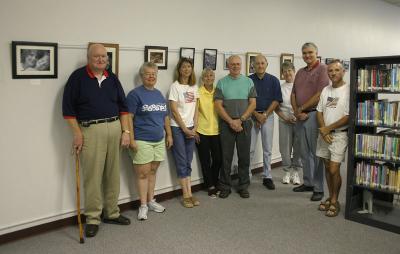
point(216, 119)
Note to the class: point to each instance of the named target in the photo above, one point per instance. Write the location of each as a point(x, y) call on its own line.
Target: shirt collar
point(313, 66)
point(91, 74)
point(206, 91)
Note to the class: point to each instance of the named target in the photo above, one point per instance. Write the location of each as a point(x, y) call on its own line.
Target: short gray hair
point(288, 66)
point(205, 71)
point(149, 65)
point(309, 45)
point(234, 56)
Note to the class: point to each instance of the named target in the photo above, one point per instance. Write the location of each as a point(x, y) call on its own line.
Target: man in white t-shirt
point(333, 117)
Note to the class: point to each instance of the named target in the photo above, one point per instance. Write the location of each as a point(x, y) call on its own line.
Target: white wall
point(37, 175)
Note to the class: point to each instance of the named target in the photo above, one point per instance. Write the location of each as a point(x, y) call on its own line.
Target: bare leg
point(152, 180)
point(182, 182)
point(334, 170)
point(142, 173)
point(189, 186)
point(328, 177)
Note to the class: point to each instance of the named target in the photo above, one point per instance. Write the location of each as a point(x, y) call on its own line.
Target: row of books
point(382, 77)
point(377, 146)
point(378, 175)
point(378, 112)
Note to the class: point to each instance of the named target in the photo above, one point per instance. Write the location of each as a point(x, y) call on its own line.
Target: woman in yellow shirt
point(208, 142)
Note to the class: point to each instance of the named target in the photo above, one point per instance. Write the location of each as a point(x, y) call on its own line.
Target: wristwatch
point(126, 131)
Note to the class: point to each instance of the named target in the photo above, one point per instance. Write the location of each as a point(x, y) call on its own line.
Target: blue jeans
point(267, 133)
point(313, 169)
point(182, 151)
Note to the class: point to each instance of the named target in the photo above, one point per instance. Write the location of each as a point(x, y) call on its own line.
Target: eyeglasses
point(147, 75)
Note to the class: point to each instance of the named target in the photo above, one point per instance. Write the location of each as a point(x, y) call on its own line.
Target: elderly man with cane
point(95, 108)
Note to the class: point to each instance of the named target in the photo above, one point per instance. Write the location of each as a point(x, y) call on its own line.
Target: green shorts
point(148, 152)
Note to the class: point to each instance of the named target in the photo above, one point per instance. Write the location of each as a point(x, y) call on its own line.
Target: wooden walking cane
point(78, 198)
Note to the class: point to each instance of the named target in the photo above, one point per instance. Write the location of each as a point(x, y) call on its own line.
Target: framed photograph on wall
point(226, 57)
point(210, 59)
point(346, 65)
point(250, 60)
point(319, 58)
point(157, 55)
point(328, 60)
point(187, 53)
point(285, 57)
point(34, 60)
point(113, 56)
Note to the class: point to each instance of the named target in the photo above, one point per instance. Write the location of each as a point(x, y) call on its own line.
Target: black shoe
point(91, 230)
point(224, 193)
point(121, 220)
point(317, 196)
point(303, 188)
point(267, 182)
point(244, 193)
point(212, 192)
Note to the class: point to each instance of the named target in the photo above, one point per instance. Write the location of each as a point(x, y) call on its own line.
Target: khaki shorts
point(336, 151)
point(148, 152)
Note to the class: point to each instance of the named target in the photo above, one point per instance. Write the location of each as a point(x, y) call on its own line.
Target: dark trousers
point(242, 140)
point(210, 156)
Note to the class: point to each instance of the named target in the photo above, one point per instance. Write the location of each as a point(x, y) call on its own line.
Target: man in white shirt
point(333, 117)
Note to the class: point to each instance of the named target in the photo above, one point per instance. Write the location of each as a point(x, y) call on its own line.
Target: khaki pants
point(100, 166)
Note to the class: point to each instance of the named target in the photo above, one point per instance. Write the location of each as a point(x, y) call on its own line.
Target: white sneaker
point(295, 178)
point(286, 178)
point(156, 207)
point(142, 215)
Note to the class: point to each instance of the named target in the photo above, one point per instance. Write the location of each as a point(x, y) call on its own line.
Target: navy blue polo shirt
point(268, 90)
point(85, 100)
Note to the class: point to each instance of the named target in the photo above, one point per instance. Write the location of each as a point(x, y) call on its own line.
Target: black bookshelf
point(386, 203)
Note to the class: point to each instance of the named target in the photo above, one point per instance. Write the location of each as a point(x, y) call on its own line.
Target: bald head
point(260, 64)
point(97, 57)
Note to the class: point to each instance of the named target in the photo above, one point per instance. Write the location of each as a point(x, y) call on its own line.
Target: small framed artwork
point(187, 53)
point(157, 55)
point(328, 60)
point(319, 59)
point(250, 61)
point(34, 60)
point(210, 59)
point(113, 56)
point(346, 65)
point(226, 57)
point(285, 57)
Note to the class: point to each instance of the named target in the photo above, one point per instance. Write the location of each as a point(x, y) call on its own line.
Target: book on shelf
point(377, 146)
point(378, 112)
point(378, 175)
point(381, 77)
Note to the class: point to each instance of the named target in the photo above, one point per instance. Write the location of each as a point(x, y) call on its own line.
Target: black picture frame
point(210, 58)
point(34, 60)
point(188, 53)
point(157, 55)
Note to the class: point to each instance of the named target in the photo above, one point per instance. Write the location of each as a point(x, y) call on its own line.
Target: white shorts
point(336, 151)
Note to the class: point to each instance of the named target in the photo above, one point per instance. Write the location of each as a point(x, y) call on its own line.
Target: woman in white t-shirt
point(287, 132)
point(183, 96)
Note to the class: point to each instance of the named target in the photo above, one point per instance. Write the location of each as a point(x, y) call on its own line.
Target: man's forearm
point(250, 109)
point(312, 102)
point(339, 123)
point(221, 111)
point(124, 119)
point(272, 107)
point(73, 123)
point(320, 119)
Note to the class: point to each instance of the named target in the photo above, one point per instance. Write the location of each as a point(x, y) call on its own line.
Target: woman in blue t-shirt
point(149, 118)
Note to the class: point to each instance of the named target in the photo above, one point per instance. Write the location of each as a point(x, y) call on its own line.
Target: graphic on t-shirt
point(332, 102)
point(154, 107)
point(189, 97)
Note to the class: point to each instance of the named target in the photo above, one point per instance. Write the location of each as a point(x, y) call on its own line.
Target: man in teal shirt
point(235, 101)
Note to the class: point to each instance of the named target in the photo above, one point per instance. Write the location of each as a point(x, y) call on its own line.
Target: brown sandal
point(333, 210)
point(324, 206)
